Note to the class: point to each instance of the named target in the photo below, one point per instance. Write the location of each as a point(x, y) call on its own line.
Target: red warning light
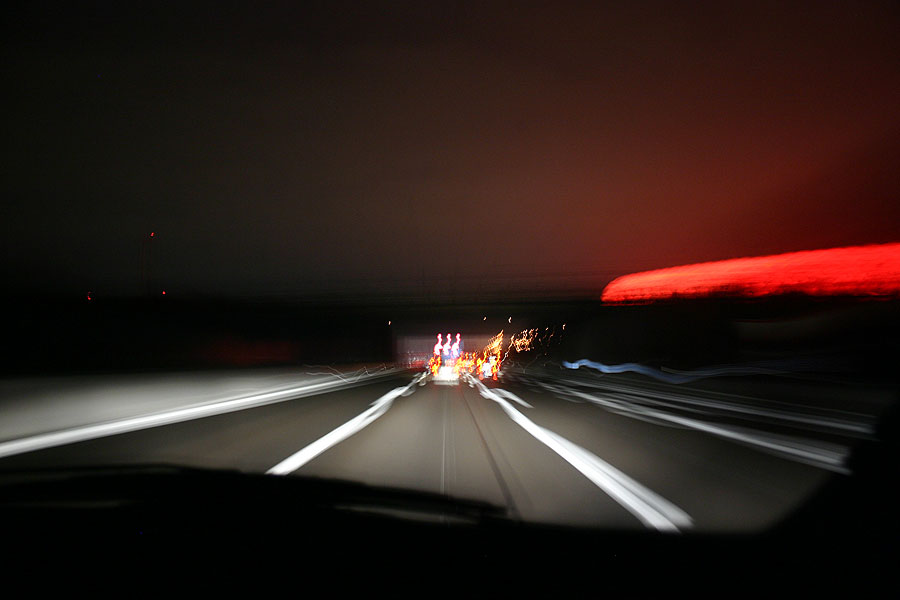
point(152, 234)
point(164, 292)
point(89, 297)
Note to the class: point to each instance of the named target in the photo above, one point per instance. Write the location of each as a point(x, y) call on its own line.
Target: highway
point(613, 452)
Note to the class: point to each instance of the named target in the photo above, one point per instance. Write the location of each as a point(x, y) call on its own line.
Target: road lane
point(250, 440)
point(452, 440)
point(32, 407)
point(426, 442)
point(724, 486)
point(351, 427)
point(651, 509)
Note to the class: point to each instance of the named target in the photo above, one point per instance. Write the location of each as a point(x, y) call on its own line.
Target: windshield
point(604, 267)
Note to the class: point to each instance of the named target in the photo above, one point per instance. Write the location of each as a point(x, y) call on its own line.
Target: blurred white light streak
point(90, 432)
point(355, 376)
point(853, 422)
point(651, 509)
point(378, 408)
point(831, 456)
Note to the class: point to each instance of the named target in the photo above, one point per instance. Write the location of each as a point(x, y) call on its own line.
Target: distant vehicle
point(446, 375)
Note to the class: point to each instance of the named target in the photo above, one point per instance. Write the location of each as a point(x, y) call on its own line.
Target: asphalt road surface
point(615, 452)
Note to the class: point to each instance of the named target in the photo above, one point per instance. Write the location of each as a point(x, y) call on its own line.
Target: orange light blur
point(463, 364)
point(434, 364)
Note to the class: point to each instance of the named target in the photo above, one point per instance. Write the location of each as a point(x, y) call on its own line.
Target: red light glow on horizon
point(850, 271)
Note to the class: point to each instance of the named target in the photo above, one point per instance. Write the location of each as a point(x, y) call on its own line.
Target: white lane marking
point(98, 430)
point(510, 396)
point(357, 423)
point(659, 396)
point(831, 456)
point(650, 508)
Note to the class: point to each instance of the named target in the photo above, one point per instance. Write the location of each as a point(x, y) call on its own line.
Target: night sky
point(425, 147)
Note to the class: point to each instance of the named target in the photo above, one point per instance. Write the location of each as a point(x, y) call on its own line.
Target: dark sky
point(439, 147)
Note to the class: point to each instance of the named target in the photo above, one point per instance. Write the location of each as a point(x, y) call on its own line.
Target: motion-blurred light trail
point(90, 432)
point(670, 377)
point(359, 422)
point(828, 456)
point(868, 271)
point(651, 509)
point(837, 422)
